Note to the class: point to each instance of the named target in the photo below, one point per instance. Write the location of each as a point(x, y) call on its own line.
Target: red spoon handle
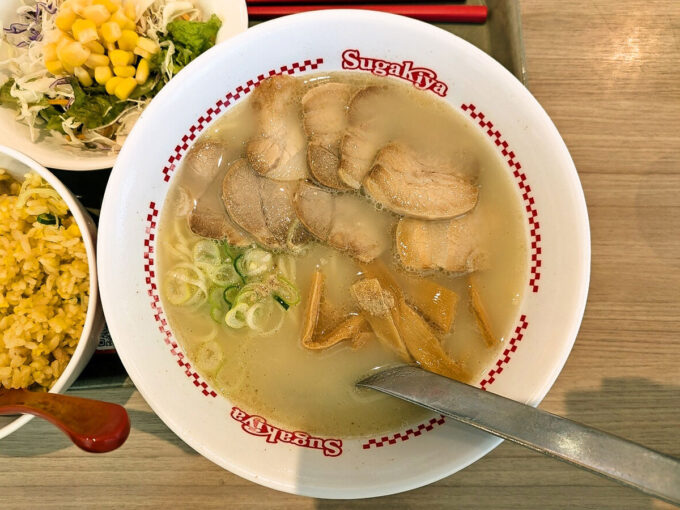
point(92, 425)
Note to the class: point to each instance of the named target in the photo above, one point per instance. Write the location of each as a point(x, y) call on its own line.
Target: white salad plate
point(526, 142)
point(53, 153)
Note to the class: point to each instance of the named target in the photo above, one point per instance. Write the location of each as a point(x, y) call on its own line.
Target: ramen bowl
point(18, 165)
point(495, 103)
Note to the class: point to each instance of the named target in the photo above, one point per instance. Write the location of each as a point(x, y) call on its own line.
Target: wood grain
point(608, 73)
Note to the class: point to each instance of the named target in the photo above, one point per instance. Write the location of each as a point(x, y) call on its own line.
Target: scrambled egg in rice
point(44, 283)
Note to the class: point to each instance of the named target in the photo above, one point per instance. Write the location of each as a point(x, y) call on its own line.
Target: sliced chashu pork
point(414, 185)
point(216, 224)
point(205, 159)
point(260, 206)
point(369, 128)
point(324, 117)
point(345, 222)
point(450, 245)
point(207, 217)
point(279, 148)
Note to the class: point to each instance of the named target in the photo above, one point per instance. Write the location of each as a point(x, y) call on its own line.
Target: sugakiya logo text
point(422, 77)
point(258, 426)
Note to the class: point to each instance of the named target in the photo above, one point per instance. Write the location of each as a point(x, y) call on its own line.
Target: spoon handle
point(92, 425)
point(613, 457)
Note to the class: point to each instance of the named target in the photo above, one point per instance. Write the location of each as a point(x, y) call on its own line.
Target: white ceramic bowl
point(18, 165)
point(472, 83)
point(51, 152)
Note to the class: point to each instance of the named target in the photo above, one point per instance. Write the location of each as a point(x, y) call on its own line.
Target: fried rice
point(44, 283)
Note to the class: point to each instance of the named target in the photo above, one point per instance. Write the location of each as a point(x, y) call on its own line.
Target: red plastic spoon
point(92, 425)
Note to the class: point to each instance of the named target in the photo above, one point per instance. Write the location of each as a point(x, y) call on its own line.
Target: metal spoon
point(92, 425)
point(593, 450)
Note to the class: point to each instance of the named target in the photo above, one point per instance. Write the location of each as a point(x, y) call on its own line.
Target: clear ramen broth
point(403, 165)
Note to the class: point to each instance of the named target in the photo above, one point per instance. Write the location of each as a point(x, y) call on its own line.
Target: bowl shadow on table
point(637, 409)
point(40, 438)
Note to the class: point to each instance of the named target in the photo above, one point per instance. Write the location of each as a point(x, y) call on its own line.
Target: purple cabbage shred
point(16, 28)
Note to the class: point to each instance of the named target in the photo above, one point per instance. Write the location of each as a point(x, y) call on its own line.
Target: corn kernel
point(95, 47)
point(111, 5)
point(53, 36)
point(55, 67)
point(73, 54)
point(97, 13)
point(148, 45)
point(128, 41)
point(50, 52)
point(111, 31)
point(125, 88)
point(103, 74)
point(83, 76)
point(121, 57)
point(110, 46)
point(124, 71)
point(63, 41)
point(112, 84)
point(65, 18)
point(84, 30)
point(122, 20)
point(78, 6)
point(142, 71)
point(130, 9)
point(95, 60)
point(142, 53)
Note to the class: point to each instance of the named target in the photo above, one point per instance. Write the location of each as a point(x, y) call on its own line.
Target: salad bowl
point(53, 151)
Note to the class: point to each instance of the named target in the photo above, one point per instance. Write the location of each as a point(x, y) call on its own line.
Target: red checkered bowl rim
point(165, 162)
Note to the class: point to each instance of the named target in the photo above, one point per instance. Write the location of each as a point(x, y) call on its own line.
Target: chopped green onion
point(230, 293)
point(48, 219)
point(280, 301)
point(238, 266)
point(193, 277)
point(206, 254)
point(177, 291)
point(236, 317)
point(223, 275)
point(217, 314)
point(228, 251)
point(209, 356)
point(285, 290)
point(253, 262)
point(215, 298)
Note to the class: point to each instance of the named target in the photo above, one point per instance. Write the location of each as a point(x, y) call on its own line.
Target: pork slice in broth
point(276, 198)
point(279, 148)
point(370, 125)
point(414, 185)
point(449, 245)
point(324, 117)
point(262, 207)
point(216, 224)
point(205, 159)
point(346, 222)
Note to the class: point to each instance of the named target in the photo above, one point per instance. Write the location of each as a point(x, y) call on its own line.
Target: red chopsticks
point(424, 12)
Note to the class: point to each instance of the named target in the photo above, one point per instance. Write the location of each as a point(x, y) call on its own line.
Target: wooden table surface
point(608, 73)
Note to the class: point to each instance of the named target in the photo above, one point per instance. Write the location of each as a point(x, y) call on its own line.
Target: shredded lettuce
point(189, 39)
point(94, 108)
point(197, 36)
point(6, 97)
